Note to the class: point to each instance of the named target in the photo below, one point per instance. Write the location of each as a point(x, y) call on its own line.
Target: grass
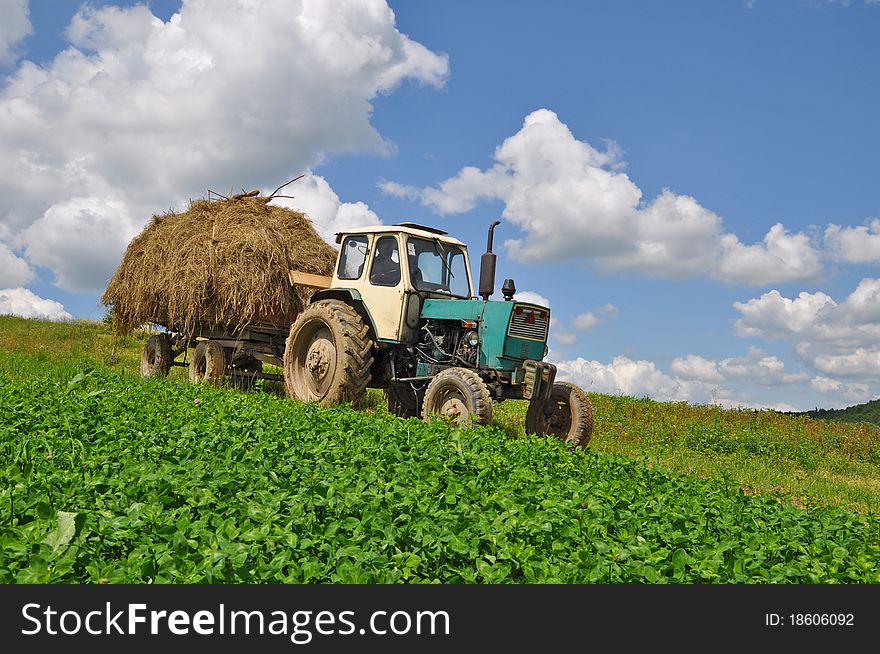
point(108, 477)
point(793, 458)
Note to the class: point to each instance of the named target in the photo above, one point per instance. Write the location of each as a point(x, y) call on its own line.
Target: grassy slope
point(171, 490)
point(257, 488)
point(793, 458)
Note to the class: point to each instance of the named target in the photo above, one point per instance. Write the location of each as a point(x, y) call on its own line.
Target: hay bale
point(223, 263)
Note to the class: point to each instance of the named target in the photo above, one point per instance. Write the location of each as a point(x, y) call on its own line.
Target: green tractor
point(400, 313)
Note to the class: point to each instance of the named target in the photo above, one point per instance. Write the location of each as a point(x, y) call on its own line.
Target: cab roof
point(406, 228)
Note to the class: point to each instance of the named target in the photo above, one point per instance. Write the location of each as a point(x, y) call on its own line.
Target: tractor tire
point(328, 355)
point(404, 401)
point(459, 394)
point(208, 363)
point(248, 368)
point(567, 414)
point(157, 356)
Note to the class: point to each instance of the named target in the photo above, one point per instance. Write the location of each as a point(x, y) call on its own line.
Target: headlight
point(472, 338)
point(546, 350)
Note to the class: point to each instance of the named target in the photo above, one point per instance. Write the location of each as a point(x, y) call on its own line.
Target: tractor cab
point(394, 269)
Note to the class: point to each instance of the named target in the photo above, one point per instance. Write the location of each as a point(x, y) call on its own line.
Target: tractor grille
point(529, 322)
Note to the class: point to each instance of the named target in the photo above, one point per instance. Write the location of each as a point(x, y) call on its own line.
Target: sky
point(692, 186)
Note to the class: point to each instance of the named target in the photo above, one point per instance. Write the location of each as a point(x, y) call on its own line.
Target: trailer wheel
point(157, 357)
point(404, 401)
point(328, 355)
point(567, 414)
point(208, 363)
point(458, 394)
point(248, 368)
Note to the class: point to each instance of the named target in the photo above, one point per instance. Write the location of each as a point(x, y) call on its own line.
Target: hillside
point(867, 412)
point(109, 477)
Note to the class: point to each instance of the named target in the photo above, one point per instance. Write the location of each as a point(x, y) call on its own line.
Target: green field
point(105, 477)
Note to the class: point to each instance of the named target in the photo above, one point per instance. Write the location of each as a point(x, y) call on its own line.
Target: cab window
point(352, 257)
point(385, 269)
point(438, 267)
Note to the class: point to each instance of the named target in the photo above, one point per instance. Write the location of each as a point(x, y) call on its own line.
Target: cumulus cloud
point(559, 334)
point(623, 376)
point(572, 201)
point(531, 297)
point(80, 240)
point(24, 303)
point(854, 244)
point(589, 319)
point(756, 367)
point(313, 196)
point(14, 27)
point(697, 368)
point(586, 321)
point(690, 378)
point(138, 115)
point(840, 339)
point(782, 257)
point(836, 389)
point(14, 271)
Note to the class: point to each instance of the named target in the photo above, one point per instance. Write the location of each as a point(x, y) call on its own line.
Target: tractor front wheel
point(460, 395)
point(567, 414)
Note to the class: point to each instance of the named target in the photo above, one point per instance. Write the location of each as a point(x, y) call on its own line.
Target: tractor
point(400, 314)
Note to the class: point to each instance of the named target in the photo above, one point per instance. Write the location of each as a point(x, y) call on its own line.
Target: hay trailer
point(398, 313)
point(217, 353)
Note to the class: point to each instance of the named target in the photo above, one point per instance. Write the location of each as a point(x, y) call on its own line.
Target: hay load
point(222, 263)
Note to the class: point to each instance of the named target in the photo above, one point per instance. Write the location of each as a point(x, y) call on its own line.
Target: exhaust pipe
point(487, 267)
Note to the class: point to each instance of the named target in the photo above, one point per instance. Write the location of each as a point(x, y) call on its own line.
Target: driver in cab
point(386, 264)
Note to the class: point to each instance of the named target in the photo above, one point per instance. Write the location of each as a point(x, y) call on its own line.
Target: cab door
point(383, 287)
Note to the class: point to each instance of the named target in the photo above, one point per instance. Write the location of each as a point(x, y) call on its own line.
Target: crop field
point(109, 478)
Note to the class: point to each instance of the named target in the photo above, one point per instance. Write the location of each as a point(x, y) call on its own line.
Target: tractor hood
point(510, 332)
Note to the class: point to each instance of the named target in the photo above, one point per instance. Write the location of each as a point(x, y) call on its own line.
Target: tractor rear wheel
point(157, 357)
point(208, 363)
point(404, 401)
point(567, 414)
point(459, 394)
point(328, 355)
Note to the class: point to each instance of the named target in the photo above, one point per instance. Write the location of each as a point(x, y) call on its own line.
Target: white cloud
point(691, 378)
point(531, 297)
point(14, 27)
point(622, 376)
point(227, 93)
point(572, 202)
point(589, 319)
point(846, 394)
point(854, 244)
point(14, 271)
point(756, 367)
point(80, 240)
point(22, 302)
point(313, 196)
point(696, 368)
point(586, 321)
point(839, 339)
point(782, 257)
point(773, 316)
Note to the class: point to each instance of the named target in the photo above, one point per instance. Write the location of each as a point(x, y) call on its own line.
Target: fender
point(351, 297)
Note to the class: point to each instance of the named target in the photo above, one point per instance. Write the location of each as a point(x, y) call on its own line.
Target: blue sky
point(649, 149)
